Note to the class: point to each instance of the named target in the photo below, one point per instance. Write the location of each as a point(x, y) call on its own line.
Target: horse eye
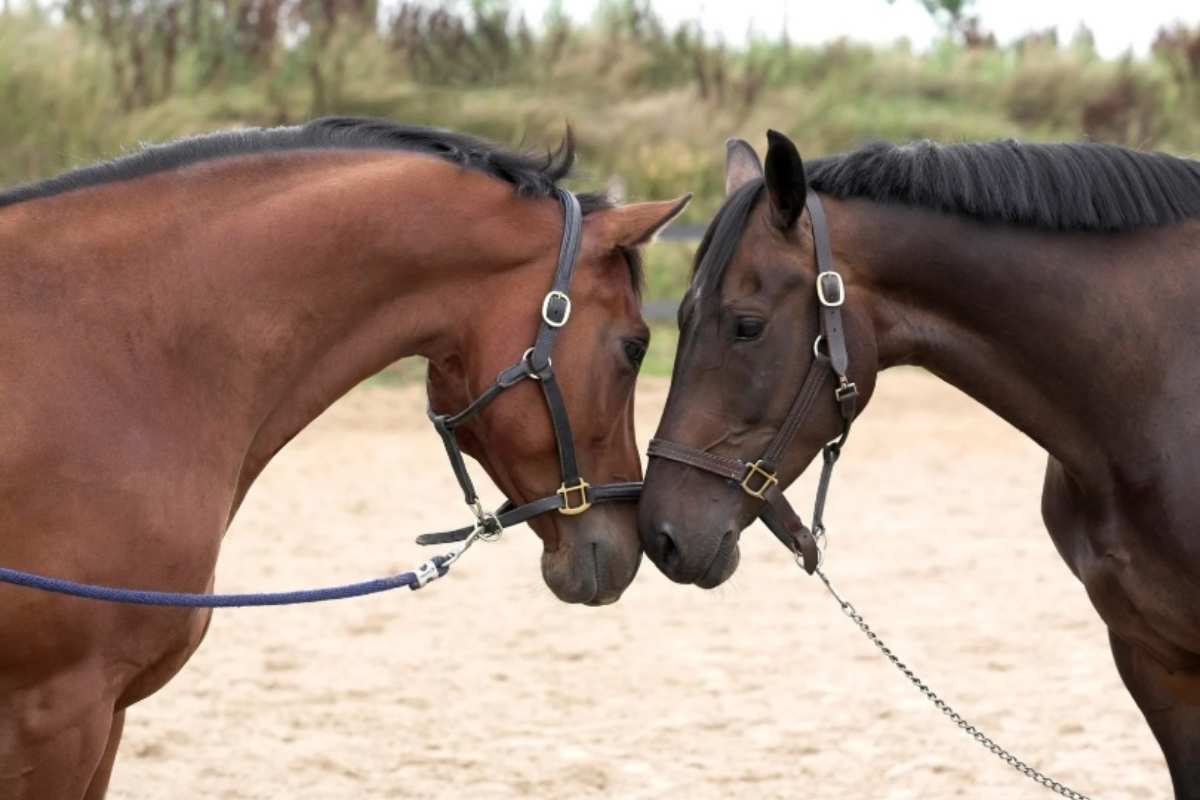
point(749, 328)
point(635, 350)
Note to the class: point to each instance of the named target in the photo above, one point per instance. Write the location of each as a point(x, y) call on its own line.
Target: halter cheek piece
point(575, 495)
point(759, 478)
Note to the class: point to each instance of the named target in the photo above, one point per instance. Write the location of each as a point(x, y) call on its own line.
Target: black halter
point(575, 495)
point(759, 478)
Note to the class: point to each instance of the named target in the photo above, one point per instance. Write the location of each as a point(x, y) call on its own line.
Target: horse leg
point(99, 785)
point(54, 738)
point(1171, 706)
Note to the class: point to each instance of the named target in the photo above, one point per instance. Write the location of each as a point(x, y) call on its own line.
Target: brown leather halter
point(574, 495)
point(759, 478)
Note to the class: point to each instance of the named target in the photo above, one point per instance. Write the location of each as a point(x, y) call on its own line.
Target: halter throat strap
point(831, 359)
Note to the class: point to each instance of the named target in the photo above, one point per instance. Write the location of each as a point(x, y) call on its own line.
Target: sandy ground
point(484, 686)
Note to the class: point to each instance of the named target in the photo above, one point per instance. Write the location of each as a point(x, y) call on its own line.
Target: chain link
point(966, 727)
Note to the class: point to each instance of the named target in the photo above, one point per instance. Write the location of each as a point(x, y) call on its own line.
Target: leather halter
point(575, 495)
point(759, 478)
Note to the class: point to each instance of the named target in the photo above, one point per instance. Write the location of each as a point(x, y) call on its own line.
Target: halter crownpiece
point(574, 495)
point(760, 478)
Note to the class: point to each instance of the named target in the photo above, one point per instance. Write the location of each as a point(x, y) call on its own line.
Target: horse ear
point(638, 223)
point(741, 165)
point(785, 180)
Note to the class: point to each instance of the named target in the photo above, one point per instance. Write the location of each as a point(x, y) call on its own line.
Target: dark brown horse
point(168, 321)
point(1059, 285)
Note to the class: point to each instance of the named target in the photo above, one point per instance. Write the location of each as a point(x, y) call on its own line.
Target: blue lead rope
point(431, 570)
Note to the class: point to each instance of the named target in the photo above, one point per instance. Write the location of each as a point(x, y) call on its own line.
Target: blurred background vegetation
point(651, 104)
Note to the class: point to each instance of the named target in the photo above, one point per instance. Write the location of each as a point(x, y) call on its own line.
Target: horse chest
point(173, 651)
point(1144, 597)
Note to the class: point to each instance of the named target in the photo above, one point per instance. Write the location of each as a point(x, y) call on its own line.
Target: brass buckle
point(568, 492)
point(768, 480)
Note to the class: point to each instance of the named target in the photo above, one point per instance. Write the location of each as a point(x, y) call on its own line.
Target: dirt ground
point(484, 686)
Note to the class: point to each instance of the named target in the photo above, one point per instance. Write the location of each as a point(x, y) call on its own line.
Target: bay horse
point(170, 319)
point(1058, 285)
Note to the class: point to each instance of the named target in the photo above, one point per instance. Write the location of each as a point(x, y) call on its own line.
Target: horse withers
point(1055, 284)
point(169, 320)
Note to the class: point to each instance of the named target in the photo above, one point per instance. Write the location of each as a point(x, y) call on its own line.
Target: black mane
point(722, 236)
point(529, 174)
point(1080, 186)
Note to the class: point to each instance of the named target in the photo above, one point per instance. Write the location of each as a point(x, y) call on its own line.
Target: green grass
point(664, 336)
point(668, 267)
point(631, 94)
point(629, 87)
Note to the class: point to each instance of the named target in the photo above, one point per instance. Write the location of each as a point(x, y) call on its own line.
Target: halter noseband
point(575, 495)
point(759, 478)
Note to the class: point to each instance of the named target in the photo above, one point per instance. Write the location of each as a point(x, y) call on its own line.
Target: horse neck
point(285, 281)
point(1024, 321)
point(447, 243)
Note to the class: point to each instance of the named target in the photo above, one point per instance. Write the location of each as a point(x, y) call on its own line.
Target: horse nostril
point(668, 551)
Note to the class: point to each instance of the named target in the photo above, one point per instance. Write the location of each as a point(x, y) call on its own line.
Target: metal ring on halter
point(799, 557)
point(817, 345)
point(490, 527)
point(487, 525)
point(820, 537)
point(525, 357)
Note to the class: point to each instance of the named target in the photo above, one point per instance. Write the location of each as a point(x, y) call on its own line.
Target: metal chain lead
point(966, 727)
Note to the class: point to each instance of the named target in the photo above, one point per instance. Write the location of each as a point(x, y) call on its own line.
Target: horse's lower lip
point(600, 597)
point(595, 598)
point(711, 577)
point(580, 582)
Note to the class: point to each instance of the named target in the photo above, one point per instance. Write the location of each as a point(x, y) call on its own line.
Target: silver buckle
point(551, 295)
point(841, 289)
